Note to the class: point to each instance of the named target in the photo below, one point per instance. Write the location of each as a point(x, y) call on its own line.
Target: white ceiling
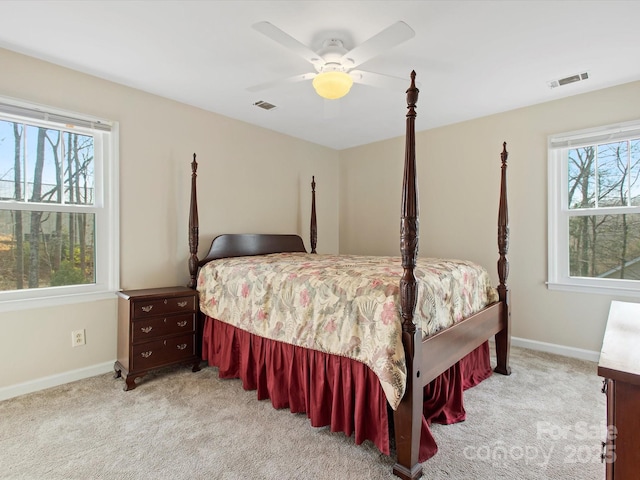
point(472, 58)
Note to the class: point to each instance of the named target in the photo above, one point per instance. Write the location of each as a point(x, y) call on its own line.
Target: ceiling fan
point(334, 64)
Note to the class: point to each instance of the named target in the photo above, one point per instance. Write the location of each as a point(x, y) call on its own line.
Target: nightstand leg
point(129, 383)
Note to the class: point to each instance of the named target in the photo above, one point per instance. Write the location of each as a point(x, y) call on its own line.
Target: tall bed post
point(503, 338)
point(193, 227)
point(408, 415)
point(313, 230)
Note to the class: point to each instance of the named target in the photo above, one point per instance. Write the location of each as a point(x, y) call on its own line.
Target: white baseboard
point(572, 352)
point(55, 380)
point(73, 375)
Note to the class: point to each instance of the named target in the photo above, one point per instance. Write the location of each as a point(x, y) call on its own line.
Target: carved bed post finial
point(503, 226)
point(193, 227)
point(409, 224)
point(314, 223)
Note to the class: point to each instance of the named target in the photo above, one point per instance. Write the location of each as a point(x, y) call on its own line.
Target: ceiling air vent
point(570, 79)
point(264, 105)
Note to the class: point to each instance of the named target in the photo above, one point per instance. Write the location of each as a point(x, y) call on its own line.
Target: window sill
point(593, 289)
point(53, 301)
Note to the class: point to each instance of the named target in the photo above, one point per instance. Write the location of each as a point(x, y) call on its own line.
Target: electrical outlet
point(77, 338)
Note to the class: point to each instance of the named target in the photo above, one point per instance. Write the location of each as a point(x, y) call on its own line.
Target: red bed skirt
point(332, 390)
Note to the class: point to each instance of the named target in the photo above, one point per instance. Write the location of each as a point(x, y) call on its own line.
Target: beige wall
point(250, 180)
point(255, 180)
point(459, 168)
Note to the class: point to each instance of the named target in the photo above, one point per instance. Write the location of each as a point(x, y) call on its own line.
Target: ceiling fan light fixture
point(332, 85)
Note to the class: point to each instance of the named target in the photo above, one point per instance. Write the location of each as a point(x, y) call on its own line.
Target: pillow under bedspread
point(342, 304)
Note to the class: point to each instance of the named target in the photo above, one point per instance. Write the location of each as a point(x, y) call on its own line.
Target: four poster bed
point(345, 339)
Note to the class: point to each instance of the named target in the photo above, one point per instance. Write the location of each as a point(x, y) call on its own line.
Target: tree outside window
point(602, 177)
point(47, 175)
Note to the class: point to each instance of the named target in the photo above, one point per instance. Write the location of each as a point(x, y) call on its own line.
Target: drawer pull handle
point(182, 346)
point(182, 304)
point(182, 323)
point(146, 354)
point(604, 386)
point(603, 455)
point(146, 329)
point(147, 308)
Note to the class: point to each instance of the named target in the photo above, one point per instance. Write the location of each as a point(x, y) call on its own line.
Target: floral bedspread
point(341, 304)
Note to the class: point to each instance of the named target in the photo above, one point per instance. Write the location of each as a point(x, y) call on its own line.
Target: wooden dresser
point(157, 327)
point(620, 366)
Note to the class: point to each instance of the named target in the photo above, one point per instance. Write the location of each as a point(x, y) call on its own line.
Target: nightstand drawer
point(164, 306)
point(162, 352)
point(144, 329)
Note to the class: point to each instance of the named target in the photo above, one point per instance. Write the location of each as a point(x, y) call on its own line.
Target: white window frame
point(559, 213)
point(105, 208)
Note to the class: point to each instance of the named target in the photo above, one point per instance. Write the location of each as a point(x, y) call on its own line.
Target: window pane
point(78, 169)
point(613, 180)
point(42, 164)
point(634, 148)
point(45, 249)
point(11, 161)
point(581, 167)
point(605, 246)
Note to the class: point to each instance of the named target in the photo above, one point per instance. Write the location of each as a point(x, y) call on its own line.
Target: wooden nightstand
point(157, 327)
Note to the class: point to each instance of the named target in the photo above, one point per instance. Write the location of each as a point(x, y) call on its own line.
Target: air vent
point(264, 105)
point(570, 79)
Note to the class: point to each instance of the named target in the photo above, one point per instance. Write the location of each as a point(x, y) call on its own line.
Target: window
point(594, 210)
point(58, 206)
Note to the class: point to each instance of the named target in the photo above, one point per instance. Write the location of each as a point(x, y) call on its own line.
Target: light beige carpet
point(545, 421)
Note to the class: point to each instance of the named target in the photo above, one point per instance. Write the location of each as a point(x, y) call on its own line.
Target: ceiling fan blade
point(287, 41)
point(281, 81)
point(379, 80)
point(389, 37)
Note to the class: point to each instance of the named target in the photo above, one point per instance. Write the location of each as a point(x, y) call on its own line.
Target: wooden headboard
point(244, 244)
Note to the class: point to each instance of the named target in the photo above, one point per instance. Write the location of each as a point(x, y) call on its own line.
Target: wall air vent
point(567, 80)
point(264, 105)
